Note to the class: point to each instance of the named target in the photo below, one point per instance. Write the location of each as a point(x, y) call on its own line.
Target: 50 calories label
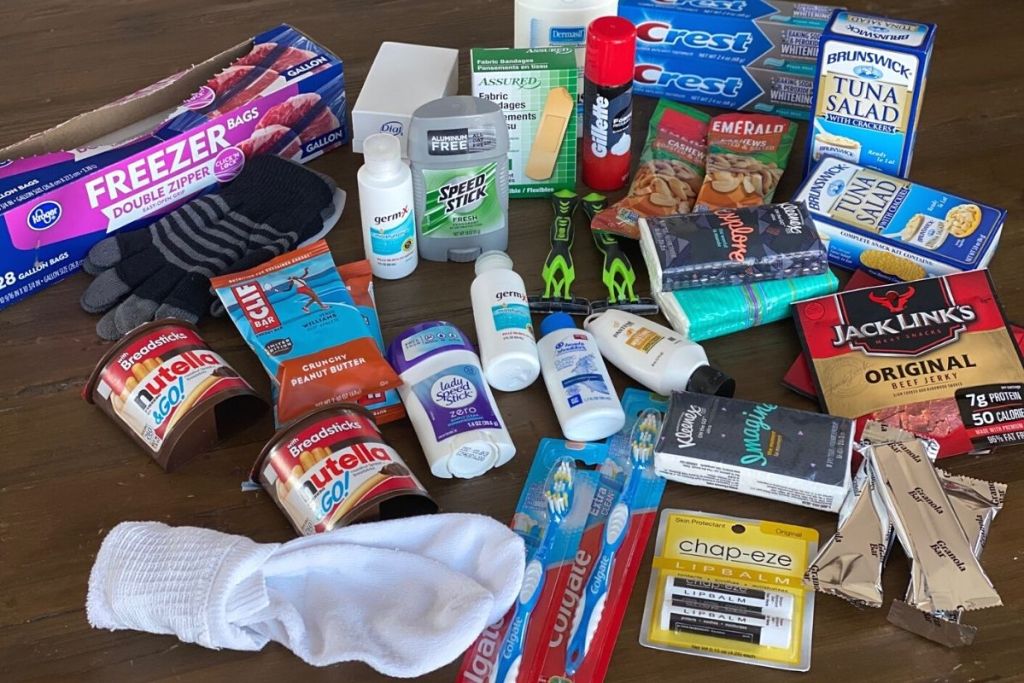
point(993, 414)
point(156, 381)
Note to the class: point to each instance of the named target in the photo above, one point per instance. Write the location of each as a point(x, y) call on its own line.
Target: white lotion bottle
point(504, 330)
point(655, 356)
point(582, 393)
point(386, 208)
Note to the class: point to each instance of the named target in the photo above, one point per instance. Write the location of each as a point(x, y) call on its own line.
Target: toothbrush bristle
point(645, 433)
point(559, 496)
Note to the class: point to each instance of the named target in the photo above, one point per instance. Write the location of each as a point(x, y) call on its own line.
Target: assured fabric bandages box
point(536, 88)
point(870, 82)
point(401, 78)
point(125, 164)
point(737, 54)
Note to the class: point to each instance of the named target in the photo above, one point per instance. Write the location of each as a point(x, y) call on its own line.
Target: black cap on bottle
point(708, 380)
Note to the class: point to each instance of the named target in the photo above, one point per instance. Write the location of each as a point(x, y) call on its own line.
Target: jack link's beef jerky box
point(127, 163)
point(934, 357)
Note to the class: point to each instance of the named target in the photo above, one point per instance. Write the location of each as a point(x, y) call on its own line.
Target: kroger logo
point(835, 188)
point(867, 71)
point(44, 215)
point(392, 128)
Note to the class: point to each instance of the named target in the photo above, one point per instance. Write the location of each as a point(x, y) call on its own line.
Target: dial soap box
point(868, 91)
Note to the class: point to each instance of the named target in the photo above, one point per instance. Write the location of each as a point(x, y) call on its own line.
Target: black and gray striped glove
point(164, 271)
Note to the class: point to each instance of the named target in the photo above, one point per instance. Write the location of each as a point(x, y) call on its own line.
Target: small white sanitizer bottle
point(386, 208)
point(504, 330)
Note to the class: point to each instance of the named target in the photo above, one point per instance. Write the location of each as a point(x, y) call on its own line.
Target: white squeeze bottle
point(655, 356)
point(577, 380)
point(386, 208)
point(504, 330)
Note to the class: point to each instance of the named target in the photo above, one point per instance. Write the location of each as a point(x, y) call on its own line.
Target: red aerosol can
point(608, 102)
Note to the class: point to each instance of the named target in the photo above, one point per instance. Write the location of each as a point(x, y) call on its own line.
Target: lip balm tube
point(771, 603)
point(769, 632)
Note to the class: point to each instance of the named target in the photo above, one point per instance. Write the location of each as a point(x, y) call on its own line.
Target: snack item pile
point(913, 361)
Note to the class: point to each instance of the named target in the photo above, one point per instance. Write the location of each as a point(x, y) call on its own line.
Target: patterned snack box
point(894, 228)
point(867, 97)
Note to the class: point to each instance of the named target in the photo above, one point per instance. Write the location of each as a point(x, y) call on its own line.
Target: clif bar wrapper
point(732, 246)
point(297, 316)
point(928, 529)
point(759, 449)
point(934, 357)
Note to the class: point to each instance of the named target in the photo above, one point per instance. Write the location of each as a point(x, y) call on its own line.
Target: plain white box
point(401, 78)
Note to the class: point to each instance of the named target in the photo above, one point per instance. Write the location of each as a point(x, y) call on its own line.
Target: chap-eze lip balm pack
point(868, 91)
point(401, 78)
point(737, 54)
point(536, 89)
point(128, 162)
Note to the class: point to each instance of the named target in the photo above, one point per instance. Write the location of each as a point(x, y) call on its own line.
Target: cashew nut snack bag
point(670, 171)
point(746, 156)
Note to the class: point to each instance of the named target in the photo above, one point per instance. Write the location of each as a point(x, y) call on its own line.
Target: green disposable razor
point(559, 272)
point(616, 272)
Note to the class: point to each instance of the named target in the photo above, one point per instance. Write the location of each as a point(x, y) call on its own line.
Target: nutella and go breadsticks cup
point(170, 392)
point(333, 467)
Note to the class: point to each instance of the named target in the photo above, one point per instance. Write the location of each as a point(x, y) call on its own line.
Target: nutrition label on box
point(993, 414)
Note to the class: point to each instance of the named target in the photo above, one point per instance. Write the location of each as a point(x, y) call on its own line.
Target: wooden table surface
point(68, 474)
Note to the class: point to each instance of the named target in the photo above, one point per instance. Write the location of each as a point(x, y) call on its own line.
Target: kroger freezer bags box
point(737, 54)
point(868, 91)
point(130, 161)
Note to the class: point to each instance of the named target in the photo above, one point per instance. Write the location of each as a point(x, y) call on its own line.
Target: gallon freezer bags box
point(130, 161)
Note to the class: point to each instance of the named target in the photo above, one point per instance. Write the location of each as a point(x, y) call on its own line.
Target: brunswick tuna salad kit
point(190, 197)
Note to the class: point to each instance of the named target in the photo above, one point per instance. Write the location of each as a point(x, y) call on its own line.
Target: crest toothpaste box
point(868, 90)
point(129, 162)
point(896, 229)
point(737, 54)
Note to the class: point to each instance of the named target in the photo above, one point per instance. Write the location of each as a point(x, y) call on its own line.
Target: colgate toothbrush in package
point(297, 316)
point(588, 554)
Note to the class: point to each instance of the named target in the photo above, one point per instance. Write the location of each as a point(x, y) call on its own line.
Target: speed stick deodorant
point(458, 151)
point(608, 102)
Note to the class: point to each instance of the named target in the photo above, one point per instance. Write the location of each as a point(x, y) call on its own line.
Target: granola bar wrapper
point(928, 529)
point(670, 172)
point(849, 565)
point(746, 156)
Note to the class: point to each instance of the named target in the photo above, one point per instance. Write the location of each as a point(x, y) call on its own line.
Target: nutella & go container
point(333, 467)
point(170, 392)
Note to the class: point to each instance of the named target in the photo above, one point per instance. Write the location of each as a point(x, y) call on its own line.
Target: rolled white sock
point(401, 601)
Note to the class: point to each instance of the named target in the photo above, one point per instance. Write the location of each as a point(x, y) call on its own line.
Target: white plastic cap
point(492, 260)
point(382, 154)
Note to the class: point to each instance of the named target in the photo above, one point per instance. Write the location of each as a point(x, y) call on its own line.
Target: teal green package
point(537, 90)
point(710, 312)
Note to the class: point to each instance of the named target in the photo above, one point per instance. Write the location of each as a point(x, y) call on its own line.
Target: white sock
point(407, 601)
